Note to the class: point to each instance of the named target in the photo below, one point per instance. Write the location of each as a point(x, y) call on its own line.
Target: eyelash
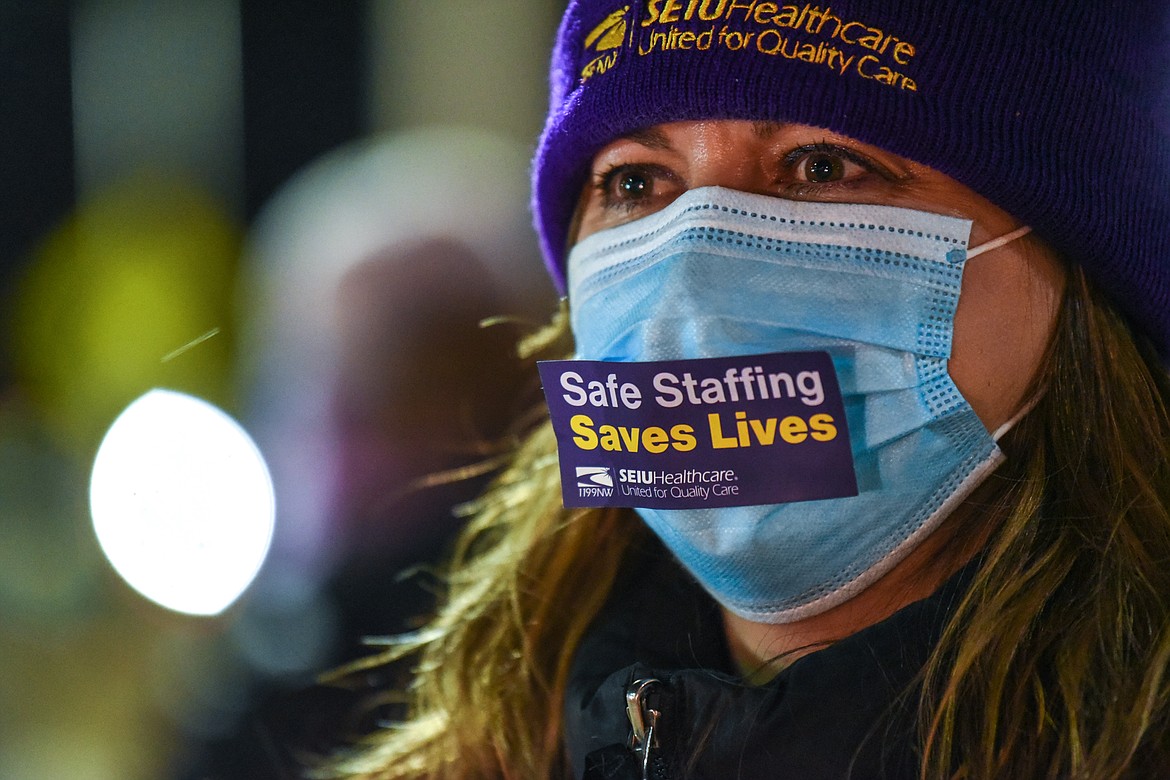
point(605, 180)
point(792, 159)
point(825, 147)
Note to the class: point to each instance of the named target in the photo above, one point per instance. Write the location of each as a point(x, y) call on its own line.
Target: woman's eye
point(622, 192)
point(824, 164)
point(626, 185)
point(633, 185)
point(820, 168)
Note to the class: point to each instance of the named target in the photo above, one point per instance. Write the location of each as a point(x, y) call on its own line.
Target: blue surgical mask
point(724, 273)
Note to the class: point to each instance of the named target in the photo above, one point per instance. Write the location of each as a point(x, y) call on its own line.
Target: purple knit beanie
point(1058, 112)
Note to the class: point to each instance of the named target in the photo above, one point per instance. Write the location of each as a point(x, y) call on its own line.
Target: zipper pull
point(644, 716)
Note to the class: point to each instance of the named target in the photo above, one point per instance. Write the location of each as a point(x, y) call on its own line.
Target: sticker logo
point(594, 481)
point(603, 43)
point(594, 476)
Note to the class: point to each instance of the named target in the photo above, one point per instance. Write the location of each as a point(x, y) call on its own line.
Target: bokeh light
point(182, 502)
point(119, 300)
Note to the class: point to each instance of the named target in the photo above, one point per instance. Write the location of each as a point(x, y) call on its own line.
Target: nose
point(728, 155)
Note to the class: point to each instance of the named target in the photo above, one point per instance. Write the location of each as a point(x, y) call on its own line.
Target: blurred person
point(386, 285)
point(353, 349)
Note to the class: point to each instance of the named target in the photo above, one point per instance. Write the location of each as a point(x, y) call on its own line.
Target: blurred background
point(286, 247)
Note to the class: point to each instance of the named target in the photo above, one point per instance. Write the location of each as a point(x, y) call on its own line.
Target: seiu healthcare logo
point(603, 43)
point(805, 32)
point(594, 481)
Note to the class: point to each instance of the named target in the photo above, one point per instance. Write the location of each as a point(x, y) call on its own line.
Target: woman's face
point(1010, 295)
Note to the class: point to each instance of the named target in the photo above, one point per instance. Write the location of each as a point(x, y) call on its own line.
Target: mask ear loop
point(1028, 406)
point(996, 243)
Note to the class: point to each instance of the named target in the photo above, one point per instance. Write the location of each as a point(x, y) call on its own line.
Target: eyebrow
point(765, 128)
point(651, 138)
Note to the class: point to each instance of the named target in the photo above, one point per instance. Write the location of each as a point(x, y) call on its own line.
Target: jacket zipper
point(644, 711)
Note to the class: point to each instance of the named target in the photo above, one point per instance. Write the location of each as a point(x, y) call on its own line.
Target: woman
point(984, 590)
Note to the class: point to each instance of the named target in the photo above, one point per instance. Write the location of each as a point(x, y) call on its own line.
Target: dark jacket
point(846, 711)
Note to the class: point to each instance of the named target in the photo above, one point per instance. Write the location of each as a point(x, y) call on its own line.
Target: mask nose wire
point(996, 243)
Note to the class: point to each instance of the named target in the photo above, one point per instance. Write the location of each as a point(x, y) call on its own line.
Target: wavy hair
point(526, 578)
point(1056, 663)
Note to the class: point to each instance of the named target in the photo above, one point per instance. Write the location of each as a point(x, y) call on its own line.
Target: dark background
point(105, 109)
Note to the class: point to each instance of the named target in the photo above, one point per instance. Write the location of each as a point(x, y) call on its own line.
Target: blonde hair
point(1055, 664)
point(526, 578)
